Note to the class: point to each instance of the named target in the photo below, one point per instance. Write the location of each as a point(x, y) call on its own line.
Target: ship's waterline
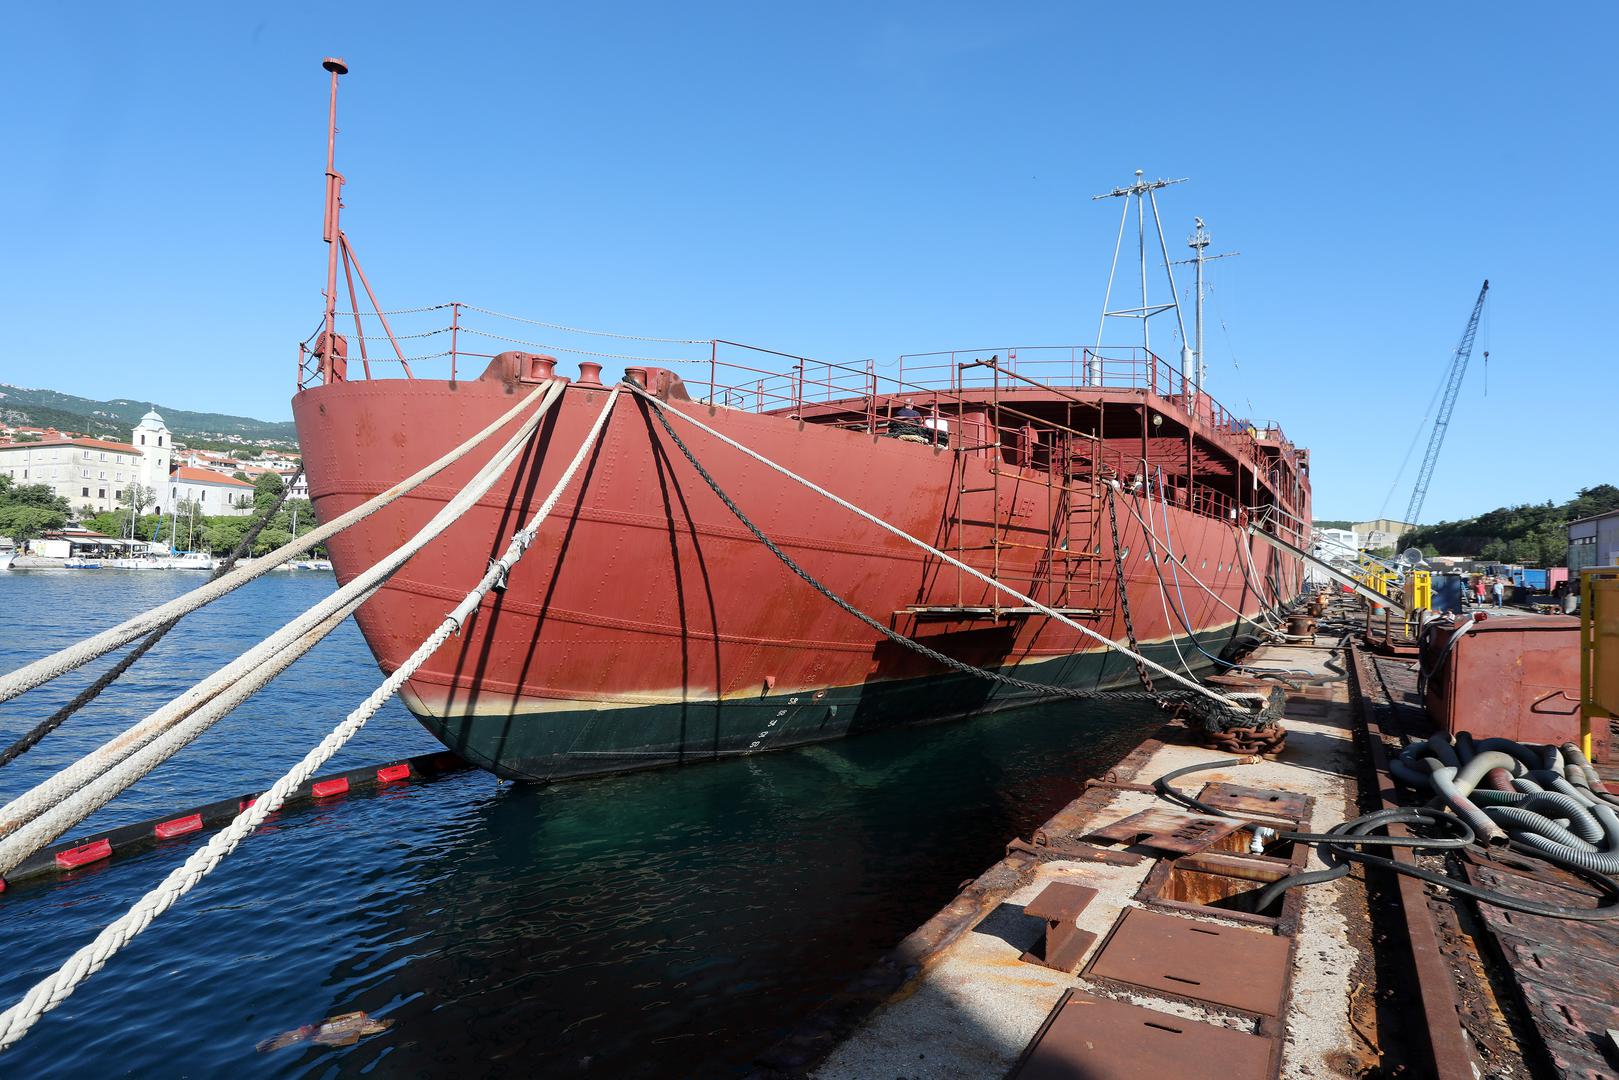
point(550, 739)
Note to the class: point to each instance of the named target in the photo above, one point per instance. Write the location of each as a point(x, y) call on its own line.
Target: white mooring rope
point(1154, 544)
point(1230, 701)
point(55, 988)
point(24, 825)
point(80, 653)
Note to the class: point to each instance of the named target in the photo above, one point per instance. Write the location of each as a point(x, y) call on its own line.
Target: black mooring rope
point(91, 692)
point(1124, 591)
point(893, 635)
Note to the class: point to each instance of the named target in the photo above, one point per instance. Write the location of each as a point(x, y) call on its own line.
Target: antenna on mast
point(1144, 193)
point(1199, 242)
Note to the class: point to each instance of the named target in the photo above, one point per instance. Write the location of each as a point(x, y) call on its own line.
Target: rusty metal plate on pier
point(1575, 1028)
point(1169, 830)
point(1098, 1039)
point(1222, 965)
point(1286, 806)
point(1059, 904)
point(1299, 707)
point(1558, 967)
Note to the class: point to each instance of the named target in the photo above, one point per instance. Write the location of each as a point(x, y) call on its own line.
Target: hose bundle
point(1548, 798)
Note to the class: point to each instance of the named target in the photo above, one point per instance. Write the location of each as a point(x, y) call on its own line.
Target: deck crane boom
point(1453, 384)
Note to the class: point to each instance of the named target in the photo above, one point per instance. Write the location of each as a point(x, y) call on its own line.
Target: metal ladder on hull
point(1065, 572)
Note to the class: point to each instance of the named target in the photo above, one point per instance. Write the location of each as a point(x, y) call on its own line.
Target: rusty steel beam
point(1448, 1043)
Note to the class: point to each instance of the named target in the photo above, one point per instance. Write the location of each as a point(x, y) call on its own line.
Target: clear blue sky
point(850, 181)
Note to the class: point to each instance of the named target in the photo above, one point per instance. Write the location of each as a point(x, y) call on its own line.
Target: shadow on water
point(674, 922)
point(677, 923)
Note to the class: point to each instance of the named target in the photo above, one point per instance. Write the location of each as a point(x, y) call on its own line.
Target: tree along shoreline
point(29, 511)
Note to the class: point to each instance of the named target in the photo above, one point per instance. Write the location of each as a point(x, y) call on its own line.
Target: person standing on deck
point(1498, 591)
point(905, 422)
point(1478, 590)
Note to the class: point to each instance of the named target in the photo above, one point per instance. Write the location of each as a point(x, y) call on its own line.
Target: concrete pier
point(1164, 963)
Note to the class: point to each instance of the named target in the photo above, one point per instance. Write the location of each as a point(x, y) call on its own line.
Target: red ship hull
point(647, 627)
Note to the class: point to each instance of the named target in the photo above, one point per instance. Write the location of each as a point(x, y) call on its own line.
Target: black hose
point(1342, 841)
point(1161, 786)
point(1354, 832)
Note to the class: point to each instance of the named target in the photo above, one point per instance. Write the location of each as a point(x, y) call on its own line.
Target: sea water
point(667, 923)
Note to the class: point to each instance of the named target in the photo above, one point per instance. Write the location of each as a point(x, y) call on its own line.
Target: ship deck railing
point(856, 395)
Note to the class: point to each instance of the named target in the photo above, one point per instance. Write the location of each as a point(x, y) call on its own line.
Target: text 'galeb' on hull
point(649, 625)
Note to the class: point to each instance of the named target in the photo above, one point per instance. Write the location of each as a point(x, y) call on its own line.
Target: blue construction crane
point(1458, 369)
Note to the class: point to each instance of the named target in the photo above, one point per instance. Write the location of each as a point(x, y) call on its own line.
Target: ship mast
point(331, 349)
point(1144, 193)
point(1199, 243)
point(330, 231)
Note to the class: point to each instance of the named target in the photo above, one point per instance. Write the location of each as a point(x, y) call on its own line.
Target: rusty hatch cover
point(1255, 802)
point(1169, 830)
point(1098, 1039)
point(1222, 965)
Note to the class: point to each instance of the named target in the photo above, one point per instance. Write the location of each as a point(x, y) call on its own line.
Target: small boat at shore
point(191, 560)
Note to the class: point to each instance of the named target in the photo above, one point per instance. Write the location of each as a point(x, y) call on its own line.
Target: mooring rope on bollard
point(1228, 701)
point(74, 785)
point(55, 988)
point(80, 653)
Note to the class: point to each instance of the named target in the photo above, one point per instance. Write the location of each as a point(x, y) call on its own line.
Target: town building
point(213, 493)
point(86, 472)
point(94, 475)
point(83, 544)
point(1593, 541)
point(156, 447)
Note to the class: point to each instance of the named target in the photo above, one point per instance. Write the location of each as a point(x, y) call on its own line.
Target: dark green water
point(670, 923)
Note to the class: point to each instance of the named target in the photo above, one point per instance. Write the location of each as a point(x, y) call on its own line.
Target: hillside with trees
point(1532, 534)
point(115, 418)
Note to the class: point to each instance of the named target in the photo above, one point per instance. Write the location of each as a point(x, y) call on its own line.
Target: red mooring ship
point(648, 626)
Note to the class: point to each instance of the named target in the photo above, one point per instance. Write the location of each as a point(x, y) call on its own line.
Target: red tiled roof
point(193, 475)
point(87, 443)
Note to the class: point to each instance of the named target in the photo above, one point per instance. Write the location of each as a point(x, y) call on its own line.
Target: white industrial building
point(1593, 541)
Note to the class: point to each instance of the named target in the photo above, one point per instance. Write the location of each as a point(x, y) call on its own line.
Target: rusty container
point(1516, 677)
